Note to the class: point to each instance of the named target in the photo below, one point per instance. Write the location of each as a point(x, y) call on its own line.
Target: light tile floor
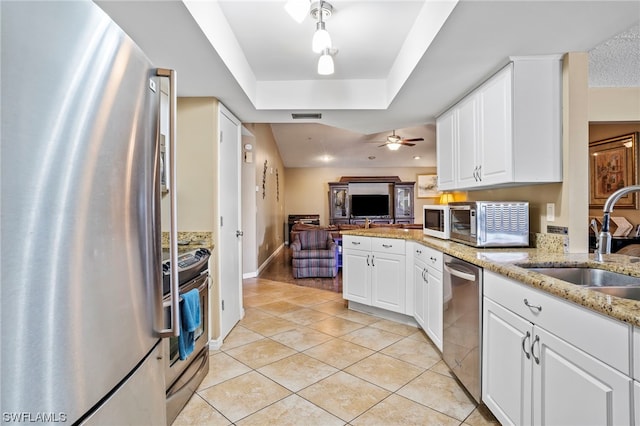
point(300, 357)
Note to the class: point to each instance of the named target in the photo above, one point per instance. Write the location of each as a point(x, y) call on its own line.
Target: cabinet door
point(467, 147)
point(570, 387)
point(636, 398)
point(419, 293)
point(339, 202)
point(445, 149)
point(495, 118)
point(506, 364)
point(403, 200)
point(388, 281)
point(356, 276)
point(434, 307)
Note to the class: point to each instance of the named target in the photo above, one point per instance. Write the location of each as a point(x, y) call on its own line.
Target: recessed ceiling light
point(417, 157)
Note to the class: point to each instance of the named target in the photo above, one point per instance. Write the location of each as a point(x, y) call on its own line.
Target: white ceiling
point(396, 68)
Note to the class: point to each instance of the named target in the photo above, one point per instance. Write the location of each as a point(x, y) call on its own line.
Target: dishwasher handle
point(465, 275)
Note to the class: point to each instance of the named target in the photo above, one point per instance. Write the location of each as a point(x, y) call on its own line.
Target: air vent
point(306, 116)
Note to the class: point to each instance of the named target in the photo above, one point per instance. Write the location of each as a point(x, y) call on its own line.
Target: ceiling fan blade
point(413, 140)
point(407, 144)
point(384, 144)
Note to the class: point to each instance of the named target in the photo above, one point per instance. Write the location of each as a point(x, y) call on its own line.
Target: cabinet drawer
point(388, 245)
point(601, 336)
point(428, 255)
point(356, 243)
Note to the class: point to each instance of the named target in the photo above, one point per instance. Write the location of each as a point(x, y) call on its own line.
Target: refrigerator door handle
point(174, 330)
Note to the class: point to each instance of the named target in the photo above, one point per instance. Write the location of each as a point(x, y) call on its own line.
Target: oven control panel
point(190, 265)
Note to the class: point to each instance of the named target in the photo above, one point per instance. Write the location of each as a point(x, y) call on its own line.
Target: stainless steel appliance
point(182, 377)
point(82, 309)
point(490, 223)
point(462, 322)
point(436, 220)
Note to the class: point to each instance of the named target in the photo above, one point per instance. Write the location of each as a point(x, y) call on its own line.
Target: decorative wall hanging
point(277, 186)
point(264, 180)
point(613, 164)
point(427, 186)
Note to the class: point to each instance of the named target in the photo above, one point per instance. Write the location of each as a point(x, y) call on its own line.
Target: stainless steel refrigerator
point(80, 170)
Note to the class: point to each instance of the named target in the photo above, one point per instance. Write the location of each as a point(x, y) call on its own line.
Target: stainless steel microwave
point(435, 220)
point(490, 223)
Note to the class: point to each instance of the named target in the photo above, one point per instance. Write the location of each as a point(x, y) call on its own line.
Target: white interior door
point(230, 239)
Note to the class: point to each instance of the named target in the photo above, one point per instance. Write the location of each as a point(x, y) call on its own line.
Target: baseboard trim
point(384, 314)
point(215, 344)
point(270, 258)
point(249, 275)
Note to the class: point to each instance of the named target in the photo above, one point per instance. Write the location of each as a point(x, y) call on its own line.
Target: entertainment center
point(378, 199)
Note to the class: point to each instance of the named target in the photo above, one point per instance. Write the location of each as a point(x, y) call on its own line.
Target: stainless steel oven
point(182, 377)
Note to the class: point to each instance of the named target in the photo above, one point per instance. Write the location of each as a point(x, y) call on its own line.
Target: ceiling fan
point(394, 141)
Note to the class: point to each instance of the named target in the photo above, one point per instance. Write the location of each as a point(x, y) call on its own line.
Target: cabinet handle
point(536, 358)
point(418, 251)
point(433, 259)
point(355, 243)
point(368, 261)
point(387, 245)
point(480, 173)
point(530, 306)
point(524, 339)
point(373, 257)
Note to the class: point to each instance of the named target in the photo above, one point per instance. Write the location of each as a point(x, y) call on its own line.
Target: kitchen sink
point(590, 276)
point(608, 282)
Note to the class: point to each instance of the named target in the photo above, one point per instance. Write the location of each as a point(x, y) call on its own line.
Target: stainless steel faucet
point(604, 239)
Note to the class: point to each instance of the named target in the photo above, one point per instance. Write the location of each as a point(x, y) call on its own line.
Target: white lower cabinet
point(636, 398)
point(374, 272)
point(530, 375)
point(427, 282)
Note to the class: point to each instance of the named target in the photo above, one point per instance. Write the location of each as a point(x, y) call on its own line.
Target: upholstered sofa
point(335, 229)
point(314, 254)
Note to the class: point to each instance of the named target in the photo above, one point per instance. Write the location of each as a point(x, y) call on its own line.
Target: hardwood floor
point(280, 270)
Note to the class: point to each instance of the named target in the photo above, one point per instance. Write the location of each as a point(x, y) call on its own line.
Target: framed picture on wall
point(427, 186)
point(613, 164)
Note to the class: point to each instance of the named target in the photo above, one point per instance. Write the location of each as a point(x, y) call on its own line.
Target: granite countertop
point(190, 240)
point(508, 261)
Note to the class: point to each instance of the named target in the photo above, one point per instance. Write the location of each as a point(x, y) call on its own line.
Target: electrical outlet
point(551, 212)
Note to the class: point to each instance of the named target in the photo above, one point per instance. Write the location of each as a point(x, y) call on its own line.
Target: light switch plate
point(551, 212)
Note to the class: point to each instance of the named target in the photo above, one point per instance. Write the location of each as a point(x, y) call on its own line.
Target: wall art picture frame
point(427, 186)
point(613, 164)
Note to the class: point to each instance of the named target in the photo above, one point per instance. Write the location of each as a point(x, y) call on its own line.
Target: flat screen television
point(369, 205)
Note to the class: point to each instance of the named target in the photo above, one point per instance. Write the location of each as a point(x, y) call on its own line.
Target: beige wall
point(197, 159)
point(614, 104)
point(270, 208)
point(307, 190)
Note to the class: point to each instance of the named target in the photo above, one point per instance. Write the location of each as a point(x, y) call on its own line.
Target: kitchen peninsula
point(506, 262)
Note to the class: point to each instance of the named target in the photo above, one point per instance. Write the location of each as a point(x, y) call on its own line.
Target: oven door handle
point(174, 300)
point(458, 273)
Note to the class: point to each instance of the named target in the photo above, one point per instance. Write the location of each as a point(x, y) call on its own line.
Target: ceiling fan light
point(321, 39)
point(393, 146)
point(297, 9)
point(325, 64)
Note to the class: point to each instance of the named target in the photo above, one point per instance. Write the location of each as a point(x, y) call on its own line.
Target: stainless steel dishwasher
point(462, 322)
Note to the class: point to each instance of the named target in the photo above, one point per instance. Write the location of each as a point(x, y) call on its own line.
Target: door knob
point(239, 233)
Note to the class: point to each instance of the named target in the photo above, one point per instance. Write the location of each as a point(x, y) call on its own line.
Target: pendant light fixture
point(321, 38)
point(325, 63)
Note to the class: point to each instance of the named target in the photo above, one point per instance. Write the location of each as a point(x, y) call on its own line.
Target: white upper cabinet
point(505, 132)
